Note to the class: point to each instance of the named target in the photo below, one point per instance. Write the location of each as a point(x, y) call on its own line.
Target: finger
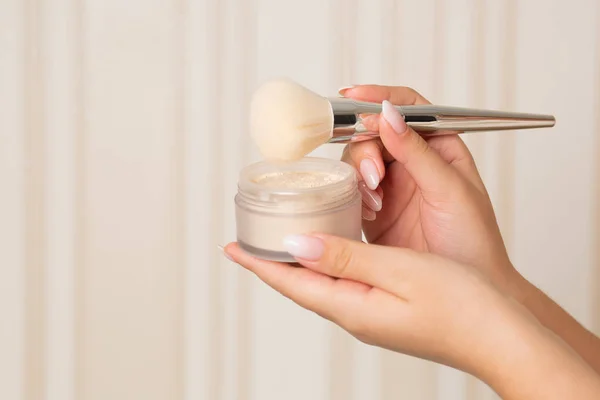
point(453, 148)
point(379, 191)
point(398, 95)
point(368, 214)
point(309, 289)
point(387, 268)
point(362, 160)
point(427, 168)
point(367, 158)
point(350, 152)
point(371, 124)
point(371, 198)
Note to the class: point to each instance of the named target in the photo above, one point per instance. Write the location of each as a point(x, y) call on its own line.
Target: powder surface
point(288, 121)
point(298, 179)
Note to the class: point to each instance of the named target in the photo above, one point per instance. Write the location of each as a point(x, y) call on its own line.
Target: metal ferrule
point(349, 117)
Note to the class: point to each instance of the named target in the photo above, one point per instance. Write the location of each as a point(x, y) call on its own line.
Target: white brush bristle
point(288, 121)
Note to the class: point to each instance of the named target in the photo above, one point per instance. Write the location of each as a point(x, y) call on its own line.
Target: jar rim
point(246, 182)
point(274, 197)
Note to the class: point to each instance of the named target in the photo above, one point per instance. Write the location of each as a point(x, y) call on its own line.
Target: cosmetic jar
point(312, 195)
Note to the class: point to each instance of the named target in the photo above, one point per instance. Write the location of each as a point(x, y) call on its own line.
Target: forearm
point(553, 317)
point(527, 361)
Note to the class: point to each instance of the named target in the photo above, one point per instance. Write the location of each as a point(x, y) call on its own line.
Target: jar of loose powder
point(312, 195)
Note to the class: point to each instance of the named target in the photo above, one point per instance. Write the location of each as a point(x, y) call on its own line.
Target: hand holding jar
point(435, 281)
point(429, 307)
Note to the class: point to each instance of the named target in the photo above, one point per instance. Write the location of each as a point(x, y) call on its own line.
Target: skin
point(429, 307)
point(440, 205)
point(435, 200)
point(435, 281)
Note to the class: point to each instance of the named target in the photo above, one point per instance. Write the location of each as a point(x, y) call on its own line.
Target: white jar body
point(262, 234)
point(312, 195)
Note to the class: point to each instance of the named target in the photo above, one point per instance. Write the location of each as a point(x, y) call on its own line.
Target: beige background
point(122, 130)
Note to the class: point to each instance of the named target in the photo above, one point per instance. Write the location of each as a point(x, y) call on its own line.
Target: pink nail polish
point(342, 91)
point(393, 117)
point(305, 247)
point(227, 256)
point(368, 214)
point(370, 198)
point(369, 172)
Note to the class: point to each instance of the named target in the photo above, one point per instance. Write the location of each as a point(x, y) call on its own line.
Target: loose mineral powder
point(297, 179)
point(309, 195)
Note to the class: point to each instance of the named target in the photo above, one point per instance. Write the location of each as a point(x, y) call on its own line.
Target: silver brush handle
point(429, 120)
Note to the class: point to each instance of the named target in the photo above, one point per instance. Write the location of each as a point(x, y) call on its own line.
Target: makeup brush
point(288, 121)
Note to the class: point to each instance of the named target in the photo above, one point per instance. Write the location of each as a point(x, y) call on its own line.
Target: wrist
point(500, 331)
point(519, 288)
point(523, 359)
point(511, 283)
point(506, 351)
point(496, 325)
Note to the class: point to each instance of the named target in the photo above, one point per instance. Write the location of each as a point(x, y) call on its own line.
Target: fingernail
point(342, 91)
point(368, 214)
point(369, 172)
point(393, 117)
point(306, 247)
point(227, 256)
point(370, 197)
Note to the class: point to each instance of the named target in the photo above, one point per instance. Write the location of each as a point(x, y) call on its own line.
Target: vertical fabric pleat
point(35, 193)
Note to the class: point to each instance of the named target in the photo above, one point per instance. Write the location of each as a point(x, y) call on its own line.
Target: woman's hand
point(399, 299)
point(430, 307)
point(427, 193)
point(434, 200)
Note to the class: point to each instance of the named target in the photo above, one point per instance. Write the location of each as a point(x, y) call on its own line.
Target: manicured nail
point(368, 214)
point(393, 117)
point(370, 197)
point(227, 256)
point(306, 247)
point(342, 91)
point(369, 172)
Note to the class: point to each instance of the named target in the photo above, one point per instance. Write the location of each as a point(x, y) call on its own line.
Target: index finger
point(398, 95)
point(451, 147)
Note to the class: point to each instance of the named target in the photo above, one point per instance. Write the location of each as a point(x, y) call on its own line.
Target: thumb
point(378, 266)
point(425, 165)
